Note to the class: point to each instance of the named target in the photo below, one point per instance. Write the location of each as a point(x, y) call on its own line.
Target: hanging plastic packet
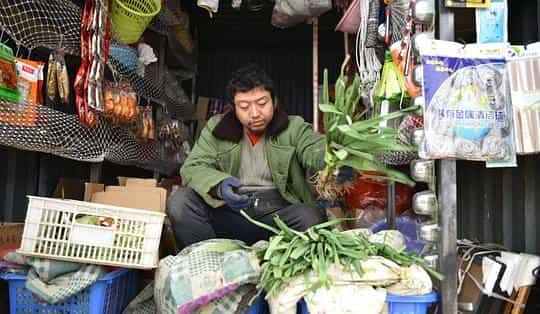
point(8, 74)
point(144, 128)
point(492, 23)
point(211, 6)
point(467, 112)
point(62, 77)
point(51, 78)
point(29, 75)
point(390, 94)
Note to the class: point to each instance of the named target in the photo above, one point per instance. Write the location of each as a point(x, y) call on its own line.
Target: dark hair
point(247, 78)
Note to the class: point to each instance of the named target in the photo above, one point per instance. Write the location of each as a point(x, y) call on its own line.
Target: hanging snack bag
point(51, 78)
point(467, 111)
point(30, 79)
point(8, 74)
point(62, 77)
point(145, 126)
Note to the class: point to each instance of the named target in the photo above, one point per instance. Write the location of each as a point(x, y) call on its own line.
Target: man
point(254, 158)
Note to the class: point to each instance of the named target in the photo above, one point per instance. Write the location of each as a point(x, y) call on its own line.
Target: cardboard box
point(127, 181)
point(139, 197)
point(153, 194)
point(470, 296)
point(92, 188)
point(72, 189)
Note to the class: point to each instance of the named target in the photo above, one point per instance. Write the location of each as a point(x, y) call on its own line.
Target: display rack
point(446, 187)
point(55, 24)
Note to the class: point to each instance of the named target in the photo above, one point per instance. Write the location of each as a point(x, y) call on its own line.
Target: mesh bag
point(51, 24)
point(151, 89)
point(55, 24)
point(164, 20)
point(405, 130)
point(34, 127)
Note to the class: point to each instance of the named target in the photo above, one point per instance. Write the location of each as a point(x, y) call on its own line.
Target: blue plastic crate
point(417, 304)
point(259, 306)
point(109, 295)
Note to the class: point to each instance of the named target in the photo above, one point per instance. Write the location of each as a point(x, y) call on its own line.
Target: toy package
point(492, 23)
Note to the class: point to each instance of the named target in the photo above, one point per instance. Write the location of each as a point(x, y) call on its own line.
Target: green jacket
point(293, 151)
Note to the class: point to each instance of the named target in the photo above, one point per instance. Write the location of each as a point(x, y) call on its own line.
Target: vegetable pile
point(353, 140)
point(290, 253)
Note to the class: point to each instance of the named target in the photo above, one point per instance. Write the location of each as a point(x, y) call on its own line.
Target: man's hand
point(227, 192)
point(346, 174)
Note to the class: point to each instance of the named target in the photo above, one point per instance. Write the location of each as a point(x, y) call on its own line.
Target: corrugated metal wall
point(28, 173)
point(25, 173)
point(501, 205)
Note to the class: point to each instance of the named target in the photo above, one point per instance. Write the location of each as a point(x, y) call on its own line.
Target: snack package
point(8, 74)
point(52, 84)
point(62, 77)
point(120, 103)
point(145, 129)
point(467, 112)
point(30, 80)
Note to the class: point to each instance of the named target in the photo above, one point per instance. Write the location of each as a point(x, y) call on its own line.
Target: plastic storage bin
point(52, 230)
point(109, 295)
point(417, 304)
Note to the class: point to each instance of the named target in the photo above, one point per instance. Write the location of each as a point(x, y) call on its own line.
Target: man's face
point(254, 109)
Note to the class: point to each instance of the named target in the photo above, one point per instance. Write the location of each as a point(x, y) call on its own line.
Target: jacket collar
point(229, 127)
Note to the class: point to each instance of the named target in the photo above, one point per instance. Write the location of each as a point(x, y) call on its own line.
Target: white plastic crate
point(52, 230)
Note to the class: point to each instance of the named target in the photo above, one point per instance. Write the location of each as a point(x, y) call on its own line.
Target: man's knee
point(180, 202)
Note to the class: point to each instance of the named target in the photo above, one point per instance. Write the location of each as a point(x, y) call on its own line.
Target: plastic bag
point(392, 238)
point(287, 13)
point(62, 77)
point(8, 74)
point(173, 138)
point(145, 129)
point(367, 200)
point(492, 23)
point(345, 299)
point(414, 281)
point(120, 103)
point(467, 112)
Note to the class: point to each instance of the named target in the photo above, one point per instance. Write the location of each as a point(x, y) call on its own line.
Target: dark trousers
point(193, 220)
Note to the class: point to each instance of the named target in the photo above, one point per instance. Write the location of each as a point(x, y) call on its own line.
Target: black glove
point(346, 174)
point(227, 191)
